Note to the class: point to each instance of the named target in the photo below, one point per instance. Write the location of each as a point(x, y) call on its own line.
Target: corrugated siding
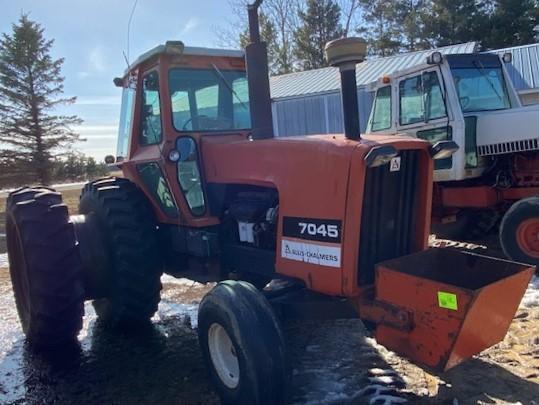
point(327, 80)
point(316, 114)
point(524, 70)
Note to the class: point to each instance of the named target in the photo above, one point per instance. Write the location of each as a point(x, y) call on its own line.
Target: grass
point(71, 198)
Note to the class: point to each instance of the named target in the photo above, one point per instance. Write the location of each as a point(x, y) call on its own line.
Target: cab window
point(421, 99)
point(189, 175)
point(126, 118)
point(381, 117)
point(151, 130)
point(209, 99)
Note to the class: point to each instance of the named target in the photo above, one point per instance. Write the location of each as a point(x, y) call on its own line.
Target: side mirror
point(110, 160)
point(443, 149)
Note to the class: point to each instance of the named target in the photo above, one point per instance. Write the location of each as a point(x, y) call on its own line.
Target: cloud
point(97, 131)
point(190, 25)
point(96, 63)
point(99, 100)
point(97, 59)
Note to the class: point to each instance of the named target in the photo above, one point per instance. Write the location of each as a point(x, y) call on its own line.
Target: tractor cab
point(199, 90)
point(464, 97)
point(172, 96)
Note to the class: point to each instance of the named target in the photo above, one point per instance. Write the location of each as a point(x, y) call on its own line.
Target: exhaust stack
point(256, 57)
point(345, 53)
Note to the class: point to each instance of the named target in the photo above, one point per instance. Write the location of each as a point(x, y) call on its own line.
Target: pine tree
point(512, 23)
point(449, 22)
point(31, 87)
point(318, 24)
point(381, 28)
point(409, 16)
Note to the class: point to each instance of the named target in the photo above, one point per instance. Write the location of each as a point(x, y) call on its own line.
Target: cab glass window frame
point(151, 126)
point(423, 94)
point(209, 100)
point(383, 122)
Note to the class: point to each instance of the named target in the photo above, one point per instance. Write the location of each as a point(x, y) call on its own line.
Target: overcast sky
point(91, 35)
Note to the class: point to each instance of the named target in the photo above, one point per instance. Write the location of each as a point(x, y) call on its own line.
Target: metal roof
point(524, 70)
point(327, 79)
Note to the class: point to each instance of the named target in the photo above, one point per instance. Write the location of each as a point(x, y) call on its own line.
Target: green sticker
point(447, 300)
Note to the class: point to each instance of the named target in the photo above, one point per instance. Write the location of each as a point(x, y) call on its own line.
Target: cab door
point(146, 160)
point(422, 111)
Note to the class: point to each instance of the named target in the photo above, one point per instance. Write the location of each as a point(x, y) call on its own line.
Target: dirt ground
point(333, 362)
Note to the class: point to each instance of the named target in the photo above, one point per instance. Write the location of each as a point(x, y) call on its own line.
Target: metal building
point(310, 102)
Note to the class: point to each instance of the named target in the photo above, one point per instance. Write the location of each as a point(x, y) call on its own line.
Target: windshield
point(480, 83)
point(209, 100)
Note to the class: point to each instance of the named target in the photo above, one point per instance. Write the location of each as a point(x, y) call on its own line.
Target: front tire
point(242, 345)
point(126, 226)
point(45, 267)
point(519, 231)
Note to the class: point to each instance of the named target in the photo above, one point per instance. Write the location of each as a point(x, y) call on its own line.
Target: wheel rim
point(223, 356)
point(528, 237)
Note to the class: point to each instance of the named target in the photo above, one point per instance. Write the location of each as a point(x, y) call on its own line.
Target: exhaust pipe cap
point(346, 51)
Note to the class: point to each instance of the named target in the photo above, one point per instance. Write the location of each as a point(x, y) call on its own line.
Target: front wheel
point(242, 345)
point(519, 231)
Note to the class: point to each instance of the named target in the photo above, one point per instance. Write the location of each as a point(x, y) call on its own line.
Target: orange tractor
point(208, 193)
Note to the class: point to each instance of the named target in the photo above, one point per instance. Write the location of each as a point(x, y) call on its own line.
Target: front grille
point(388, 218)
point(508, 147)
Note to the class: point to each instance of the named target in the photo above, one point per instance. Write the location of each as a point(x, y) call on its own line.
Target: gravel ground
point(334, 362)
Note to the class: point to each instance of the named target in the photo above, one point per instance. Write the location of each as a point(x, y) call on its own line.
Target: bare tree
point(350, 10)
point(280, 16)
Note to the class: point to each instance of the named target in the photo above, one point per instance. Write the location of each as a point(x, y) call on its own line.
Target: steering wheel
point(464, 101)
point(191, 119)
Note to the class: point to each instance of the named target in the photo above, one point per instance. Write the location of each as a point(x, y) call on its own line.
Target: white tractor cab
point(468, 98)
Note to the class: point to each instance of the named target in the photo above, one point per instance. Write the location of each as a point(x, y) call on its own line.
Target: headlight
point(380, 155)
point(443, 149)
point(174, 155)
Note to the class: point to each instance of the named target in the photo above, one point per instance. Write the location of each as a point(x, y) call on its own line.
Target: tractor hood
point(507, 131)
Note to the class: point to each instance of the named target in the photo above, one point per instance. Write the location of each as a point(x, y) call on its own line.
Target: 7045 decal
point(322, 230)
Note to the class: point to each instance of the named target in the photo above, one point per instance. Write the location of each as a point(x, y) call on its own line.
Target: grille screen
point(508, 147)
point(388, 218)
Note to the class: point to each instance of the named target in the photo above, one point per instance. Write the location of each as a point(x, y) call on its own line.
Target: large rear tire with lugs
point(126, 226)
point(519, 231)
point(242, 345)
point(45, 267)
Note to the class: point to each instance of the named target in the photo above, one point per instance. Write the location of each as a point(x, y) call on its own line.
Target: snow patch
point(3, 260)
point(184, 282)
point(169, 309)
point(531, 296)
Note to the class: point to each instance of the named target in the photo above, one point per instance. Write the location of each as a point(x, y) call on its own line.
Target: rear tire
point(127, 228)
point(45, 267)
point(242, 345)
point(519, 231)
